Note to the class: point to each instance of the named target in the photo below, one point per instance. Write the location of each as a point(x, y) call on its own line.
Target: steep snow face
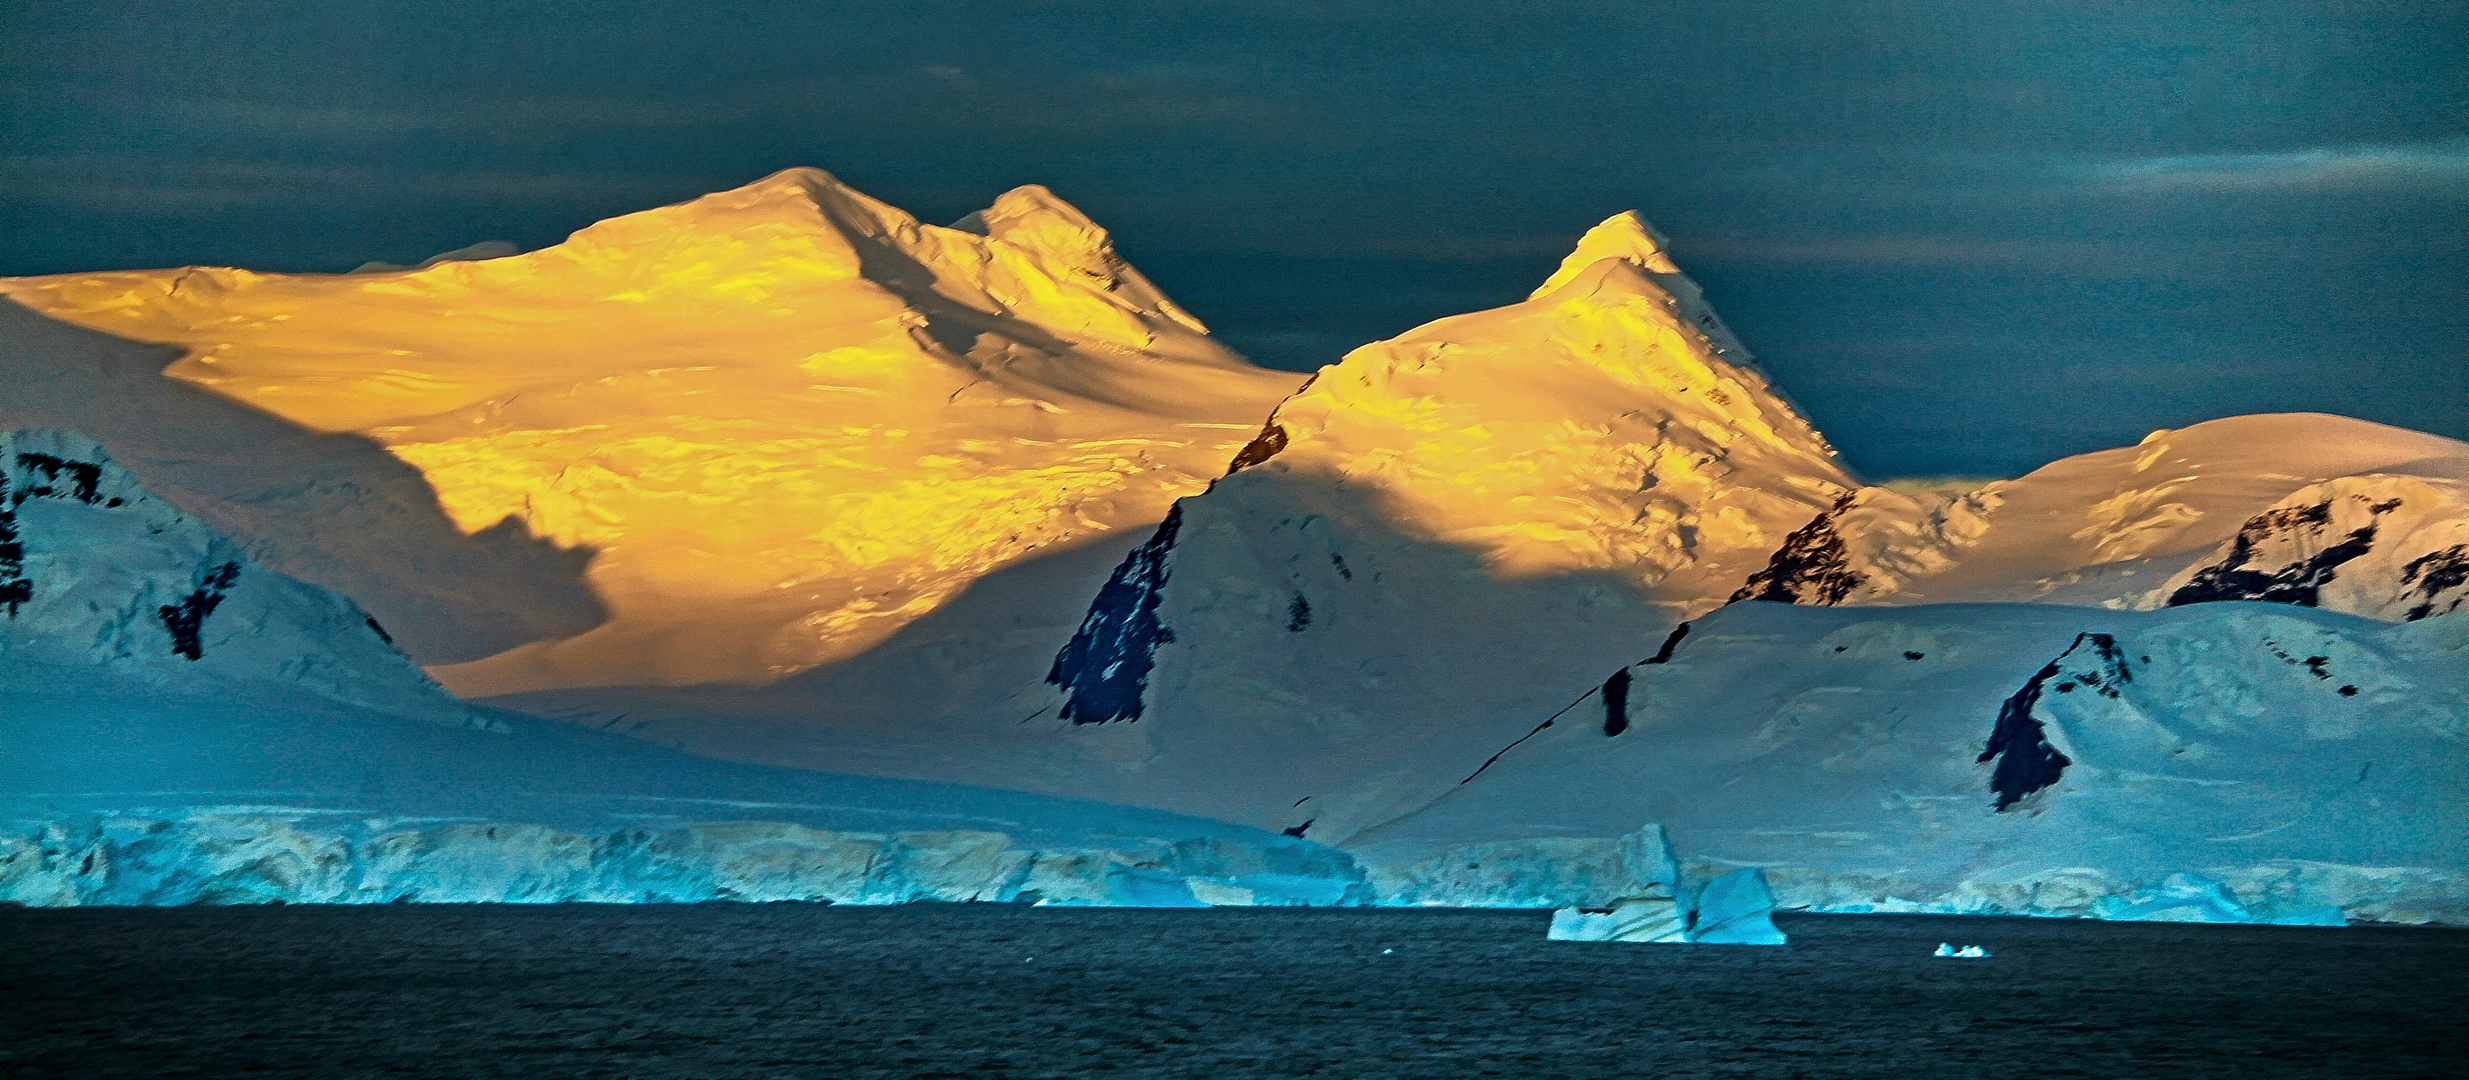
point(1539, 484)
point(2017, 758)
point(1608, 424)
point(1437, 531)
point(2111, 527)
point(784, 419)
point(2388, 547)
point(96, 572)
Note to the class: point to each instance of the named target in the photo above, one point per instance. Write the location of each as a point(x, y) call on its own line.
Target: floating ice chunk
point(1655, 919)
point(1968, 952)
point(1736, 909)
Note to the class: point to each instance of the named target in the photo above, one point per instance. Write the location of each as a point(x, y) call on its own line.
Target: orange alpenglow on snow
point(788, 418)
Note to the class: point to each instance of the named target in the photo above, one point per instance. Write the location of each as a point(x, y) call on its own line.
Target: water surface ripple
point(934, 990)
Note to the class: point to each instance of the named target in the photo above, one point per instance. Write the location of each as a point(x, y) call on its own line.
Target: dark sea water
point(993, 991)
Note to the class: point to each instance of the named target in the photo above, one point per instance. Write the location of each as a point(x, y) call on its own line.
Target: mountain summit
point(781, 420)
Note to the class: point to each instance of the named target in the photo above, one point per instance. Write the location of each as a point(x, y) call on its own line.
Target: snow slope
point(100, 580)
point(178, 725)
point(1420, 550)
point(2013, 758)
point(779, 421)
point(2129, 527)
point(1448, 539)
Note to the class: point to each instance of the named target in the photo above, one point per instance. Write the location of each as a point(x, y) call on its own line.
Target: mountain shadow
point(337, 511)
point(1419, 659)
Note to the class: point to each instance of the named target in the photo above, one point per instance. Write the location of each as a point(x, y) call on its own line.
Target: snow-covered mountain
point(779, 422)
point(2016, 758)
point(101, 580)
point(1421, 549)
point(783, 476)
point(2251, 497)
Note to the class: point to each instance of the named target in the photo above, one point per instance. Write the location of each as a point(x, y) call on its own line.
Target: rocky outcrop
point(2387, 547)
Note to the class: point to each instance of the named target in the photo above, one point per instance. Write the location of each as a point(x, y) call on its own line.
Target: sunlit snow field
point(1002, 991)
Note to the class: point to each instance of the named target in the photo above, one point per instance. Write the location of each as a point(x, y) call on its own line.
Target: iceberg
point(1638, 920)
point(1735, 909)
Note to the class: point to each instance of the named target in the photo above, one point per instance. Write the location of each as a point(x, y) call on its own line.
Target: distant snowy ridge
point(2279, 508)
point(2387, 547)
point(95, 571)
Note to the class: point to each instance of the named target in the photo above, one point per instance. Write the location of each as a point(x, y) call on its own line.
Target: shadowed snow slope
point(183, 726)
point(118, 794)
point(787, 417)
point(2016, 758)
point(2111, 527)
point(334, 510)
point(101, 581)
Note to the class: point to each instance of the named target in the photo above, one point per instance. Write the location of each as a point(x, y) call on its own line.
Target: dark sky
point(1967, 236)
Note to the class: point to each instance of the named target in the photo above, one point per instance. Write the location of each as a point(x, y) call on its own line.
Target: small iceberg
point(1968, 952)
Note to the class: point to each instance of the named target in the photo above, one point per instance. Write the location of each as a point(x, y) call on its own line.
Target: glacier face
point(117, 791)
point(246, 854)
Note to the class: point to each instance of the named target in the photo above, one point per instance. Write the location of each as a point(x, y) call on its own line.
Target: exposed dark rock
point(84, 477)
point(2025, 761)
point(382, 635)
point(1811, 567)
point(1297, 831)
point(1298, 614)
point(1339, 561)
point(1272, 438)
point(1105, 668)
point(2232, 578)
point(1664, 654)
point(187, 619)
point(15, 588)
point(1616, 703)
point(2433, 574)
